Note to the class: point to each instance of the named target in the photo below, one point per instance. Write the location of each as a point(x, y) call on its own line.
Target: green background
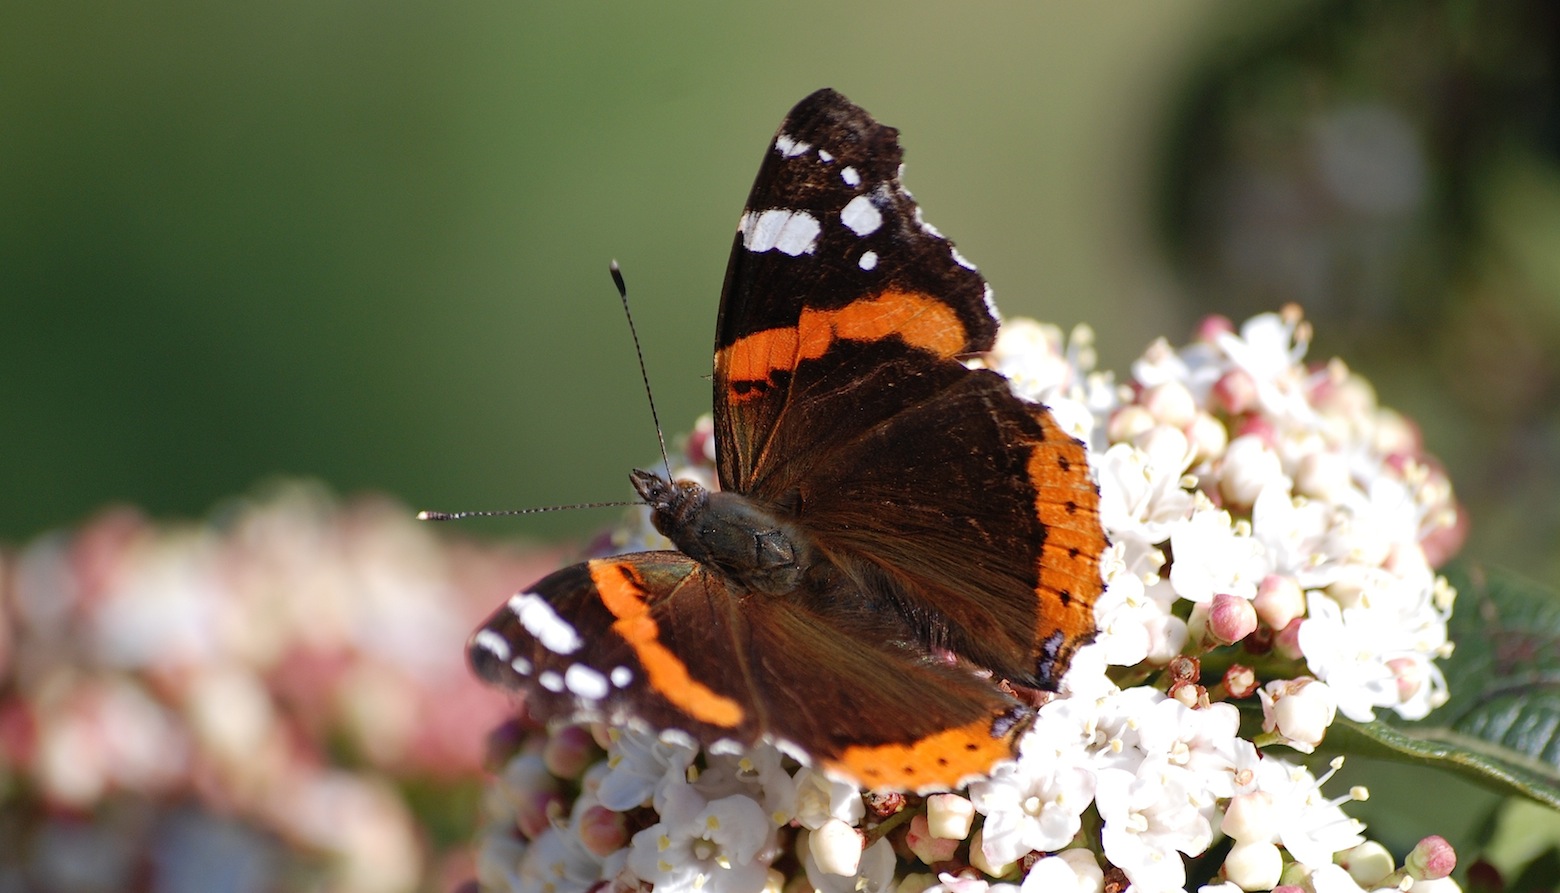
point(368, 241)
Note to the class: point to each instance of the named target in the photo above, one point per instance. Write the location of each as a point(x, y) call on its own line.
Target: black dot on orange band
point(1072, 507)
point(971, 746)
point(1063, 464)
point(1073, 552)
point(942, 761)
point(1066, 598)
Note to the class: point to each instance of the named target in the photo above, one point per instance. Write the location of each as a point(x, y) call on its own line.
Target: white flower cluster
point(1272, 537)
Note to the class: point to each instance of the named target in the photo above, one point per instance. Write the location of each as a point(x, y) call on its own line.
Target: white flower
point(1126, 617)
point(835, 848)
point(759, 773)
point(638, 762)
point(1295, 537)
point(820, 798)
point(1151, 816)
point(1359, 650)
point(700, 846)
point(1213, 556)
point(1141, 496)
point(1203, 740)
point(1333, 879)
point(949, 816)
point(1309, 825)
point(1033, 803)
point(1248, 467)
point(1030, 355)
point(1254, 865)
point(1298, 710)
point(874, 873)
point(1269, 349)
point(558, 863)
point(1055, 874)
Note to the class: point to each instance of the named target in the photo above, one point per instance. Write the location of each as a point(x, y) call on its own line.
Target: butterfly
point(899, 545)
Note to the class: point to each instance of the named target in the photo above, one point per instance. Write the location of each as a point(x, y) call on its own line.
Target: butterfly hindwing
point(653, 638)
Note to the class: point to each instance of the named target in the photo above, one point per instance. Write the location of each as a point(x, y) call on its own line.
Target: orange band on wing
point(623, 596)
point(919, 320)
point(936, 762)
point(1067, 503)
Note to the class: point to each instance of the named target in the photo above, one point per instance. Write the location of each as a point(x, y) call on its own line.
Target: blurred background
point(366, 244)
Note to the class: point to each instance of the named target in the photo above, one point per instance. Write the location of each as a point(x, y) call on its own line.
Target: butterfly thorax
point(729, 533)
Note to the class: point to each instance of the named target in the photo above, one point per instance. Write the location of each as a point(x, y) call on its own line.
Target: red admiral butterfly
point(895, 535)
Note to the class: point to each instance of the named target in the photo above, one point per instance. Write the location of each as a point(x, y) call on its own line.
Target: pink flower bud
point(1431, 859)
point(925, 846)
point(1128, 422)
point(1210, 327)
point(1249, 465)
point(1287, 641)
point(1279, 600)
point(1209, 437)
point(1258, 427)
point(1230, 619)
point(1410, 676)
point(1235, 392)
point(569, 751)
point(1170, 404)
point(603, 831)
point(535, 812)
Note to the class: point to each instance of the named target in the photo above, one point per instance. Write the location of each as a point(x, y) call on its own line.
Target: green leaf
point(1501, 726)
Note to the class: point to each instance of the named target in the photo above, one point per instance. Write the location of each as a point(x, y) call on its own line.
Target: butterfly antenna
point(617, 279)
point(499, 513)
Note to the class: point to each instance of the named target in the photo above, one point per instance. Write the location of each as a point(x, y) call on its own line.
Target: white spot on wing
point(794, 751)
point(851, 176)
point(861, 216)
point(622, 676)
point(551, 681)
point(521, 666)
point(678, 737)
point(727, 747)
point(541, 621)
point(789, 147)
point(868, 260)
point(790, 232)
point(492, 643)
point(926, 227)
point(825, 155)
point(585, 682)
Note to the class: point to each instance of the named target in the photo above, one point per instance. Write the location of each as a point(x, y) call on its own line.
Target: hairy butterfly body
point(895, 535)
